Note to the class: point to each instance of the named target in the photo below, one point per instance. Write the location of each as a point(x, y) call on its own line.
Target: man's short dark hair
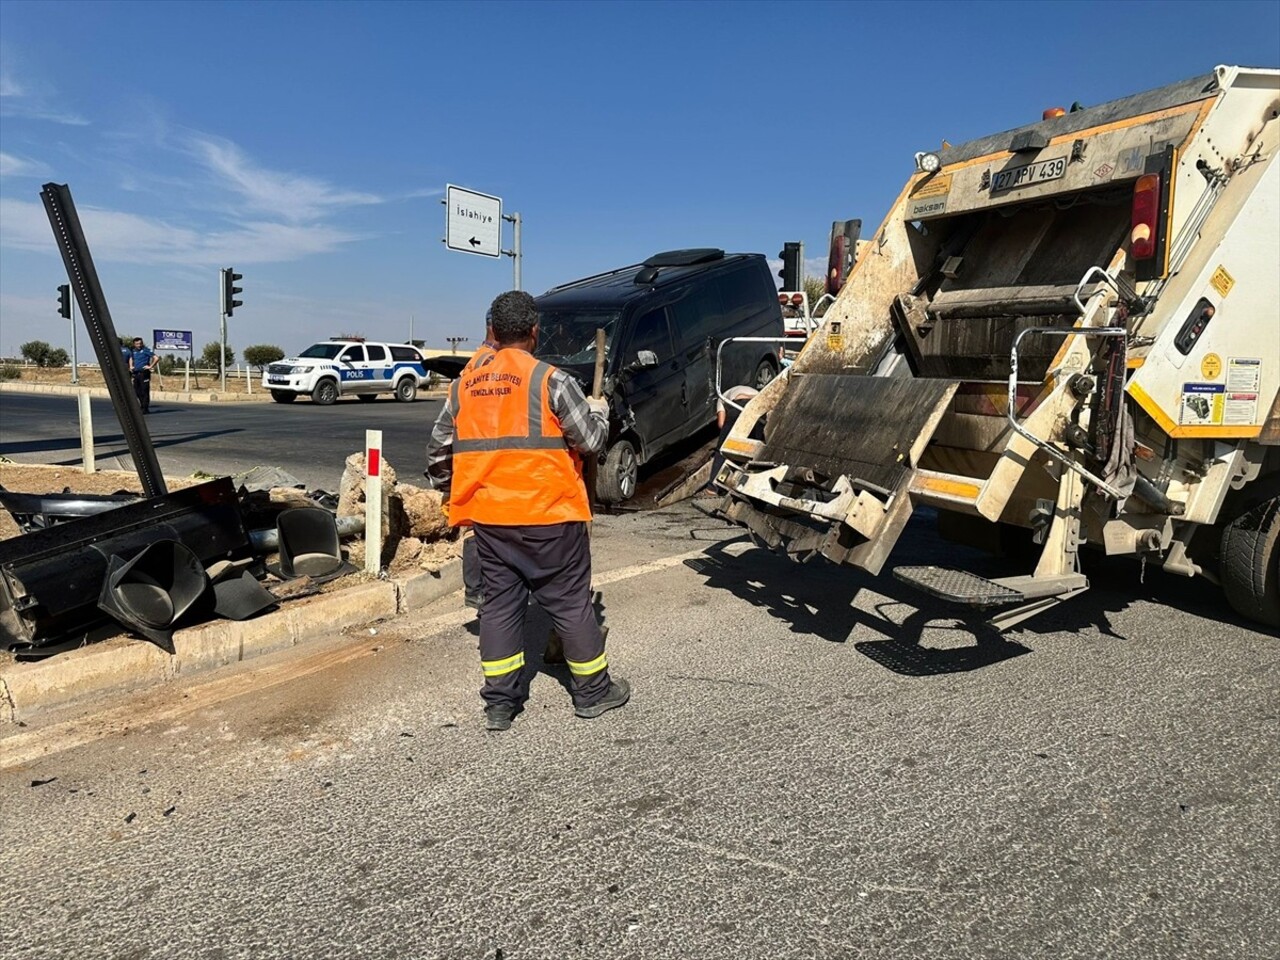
point(137, 339)
point(514, 315)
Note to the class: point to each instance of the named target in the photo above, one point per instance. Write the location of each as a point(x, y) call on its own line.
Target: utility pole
point(515, 253)
point(454, 341)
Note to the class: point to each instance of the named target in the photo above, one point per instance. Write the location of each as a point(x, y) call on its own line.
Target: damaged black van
point(664, 320)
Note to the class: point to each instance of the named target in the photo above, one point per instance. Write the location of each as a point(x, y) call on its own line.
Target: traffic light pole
point(222, 354)
point(75, 367)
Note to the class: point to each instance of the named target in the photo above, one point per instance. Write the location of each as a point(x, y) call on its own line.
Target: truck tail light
point(1146, 217)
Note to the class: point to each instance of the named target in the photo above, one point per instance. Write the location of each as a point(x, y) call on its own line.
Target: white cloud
point(15, 166)
point(22, 100)
point(291, 196)
point(9, 87)
point(129, 238)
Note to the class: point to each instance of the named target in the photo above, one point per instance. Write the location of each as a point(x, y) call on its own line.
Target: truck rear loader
point(1071, 327)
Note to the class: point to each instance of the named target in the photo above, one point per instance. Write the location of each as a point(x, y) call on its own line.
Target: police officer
point(507, 446)
point(142, 360)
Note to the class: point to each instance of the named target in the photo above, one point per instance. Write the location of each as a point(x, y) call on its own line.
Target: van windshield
point(322, 351)
point(569, 336)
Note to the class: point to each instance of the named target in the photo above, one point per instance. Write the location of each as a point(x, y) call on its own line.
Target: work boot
point(498, 716)
point(619, 692)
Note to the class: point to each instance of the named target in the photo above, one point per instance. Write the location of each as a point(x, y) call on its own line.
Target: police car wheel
point(618, 474)
point(325, 393)
point(406, 390)
point(283, 396)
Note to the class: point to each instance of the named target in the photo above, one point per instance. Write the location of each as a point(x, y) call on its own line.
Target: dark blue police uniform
point(140, 363)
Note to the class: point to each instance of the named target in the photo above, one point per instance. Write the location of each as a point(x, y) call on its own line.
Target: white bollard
point(373, 502)
point(86, 431)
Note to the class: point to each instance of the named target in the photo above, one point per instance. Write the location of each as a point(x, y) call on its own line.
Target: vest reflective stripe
point(509, 443)
point(511, 463)
point(587, 667)
point(499, 668)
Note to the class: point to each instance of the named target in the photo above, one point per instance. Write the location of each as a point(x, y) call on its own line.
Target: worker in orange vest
point(472, 582)
point(507, 446)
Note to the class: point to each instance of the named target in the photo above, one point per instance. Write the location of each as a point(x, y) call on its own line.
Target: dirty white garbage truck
point(1071, 327)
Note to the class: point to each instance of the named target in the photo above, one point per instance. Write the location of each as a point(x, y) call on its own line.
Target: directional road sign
point(473, 222)
point(171, 339)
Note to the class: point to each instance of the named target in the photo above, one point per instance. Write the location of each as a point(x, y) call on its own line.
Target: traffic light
point(64, 301)
point(790, 272)
point(229, 291)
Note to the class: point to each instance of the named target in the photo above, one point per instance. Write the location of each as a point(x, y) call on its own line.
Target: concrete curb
point(122, 665)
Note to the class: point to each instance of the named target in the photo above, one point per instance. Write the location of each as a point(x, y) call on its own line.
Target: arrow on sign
point(474, 242)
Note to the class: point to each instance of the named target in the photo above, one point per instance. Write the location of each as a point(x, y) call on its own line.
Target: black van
point(663, 320)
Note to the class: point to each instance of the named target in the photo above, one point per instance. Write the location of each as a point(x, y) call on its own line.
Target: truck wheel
point(366, 397)
point(406, 390)
point(325, 393)
point(283, 396)
point(616, 480)
point(1250, 565)
point(764, 373)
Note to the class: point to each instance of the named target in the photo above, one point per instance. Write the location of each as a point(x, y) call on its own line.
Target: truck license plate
point(1041, 171)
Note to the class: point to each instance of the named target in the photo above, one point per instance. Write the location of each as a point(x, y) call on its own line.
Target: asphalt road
point(309, 441)
point(815, 764)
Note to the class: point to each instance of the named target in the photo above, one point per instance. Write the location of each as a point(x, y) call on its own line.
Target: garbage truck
point(1072, 328)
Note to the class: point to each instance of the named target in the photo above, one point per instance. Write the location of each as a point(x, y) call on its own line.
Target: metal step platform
point(1036, 594)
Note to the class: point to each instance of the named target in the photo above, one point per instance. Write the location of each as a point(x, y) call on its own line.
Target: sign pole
point(515, 253)
point(186, 383)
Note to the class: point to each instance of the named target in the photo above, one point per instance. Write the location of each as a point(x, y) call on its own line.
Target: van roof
point(662, 270)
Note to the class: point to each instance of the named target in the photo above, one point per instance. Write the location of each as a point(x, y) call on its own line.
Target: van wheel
point(366, 397)
point(283, 396)
point(1250, 564)
point(764, 373)
point(406, 390)
point(616, 480)
point(325, 393)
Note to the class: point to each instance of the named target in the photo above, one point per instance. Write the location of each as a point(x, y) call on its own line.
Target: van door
point(656, 395)
point(697, 319)
point(380, 367)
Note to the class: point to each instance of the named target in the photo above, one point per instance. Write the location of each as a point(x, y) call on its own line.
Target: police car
point(347, 367)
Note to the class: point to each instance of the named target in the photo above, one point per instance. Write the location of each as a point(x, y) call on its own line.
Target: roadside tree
point(261, 354)
point(209, 356)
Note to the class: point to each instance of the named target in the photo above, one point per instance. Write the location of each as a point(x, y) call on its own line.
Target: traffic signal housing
point(64, 301)
point(229, 291)
point(790, 272)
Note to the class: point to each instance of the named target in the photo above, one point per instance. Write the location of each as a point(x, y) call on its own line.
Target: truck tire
point(283, 396)
point(616, 480)
point(406, 389)
point(1250, 565)
point(325, 392)
point(765, 372)
point(366, 397)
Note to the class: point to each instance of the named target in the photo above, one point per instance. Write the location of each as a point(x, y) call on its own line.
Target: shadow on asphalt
point(817, 599)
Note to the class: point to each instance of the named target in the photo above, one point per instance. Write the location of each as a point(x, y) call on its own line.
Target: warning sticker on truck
point(1202, 404)
point(1244, 376)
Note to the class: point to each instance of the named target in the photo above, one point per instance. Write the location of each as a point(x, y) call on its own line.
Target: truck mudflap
point(833, 473)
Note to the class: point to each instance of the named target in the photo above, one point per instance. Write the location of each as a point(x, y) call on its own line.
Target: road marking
point(23, 748)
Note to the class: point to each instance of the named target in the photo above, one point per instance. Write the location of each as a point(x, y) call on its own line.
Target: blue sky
point(308, 144)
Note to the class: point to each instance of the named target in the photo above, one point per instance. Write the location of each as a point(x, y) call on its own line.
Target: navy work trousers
point(553, 563)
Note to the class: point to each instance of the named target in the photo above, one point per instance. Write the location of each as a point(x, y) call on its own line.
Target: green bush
point(10, 371)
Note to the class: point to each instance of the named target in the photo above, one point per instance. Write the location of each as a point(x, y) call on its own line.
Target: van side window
point(376, 352)
point(699, 317)
point(652, 333)
point(352, 355)
point(740, 293)
point(405, 353)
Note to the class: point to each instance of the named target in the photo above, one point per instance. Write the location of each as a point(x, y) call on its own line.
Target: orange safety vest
point(511, 465)
point(479, 358)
